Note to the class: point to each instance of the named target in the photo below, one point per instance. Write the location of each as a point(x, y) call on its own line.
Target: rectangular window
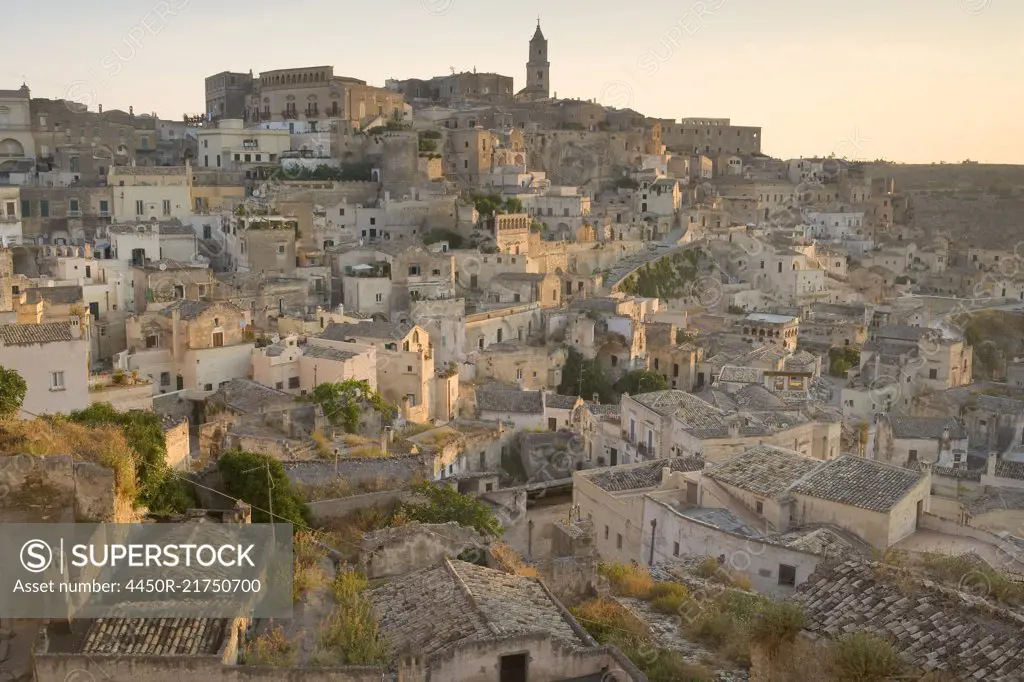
point(140, 208)
point(44, 209)
point(56, 381)
point(293, 382)
point(760, 507)
point(606, 532)
point(26, 208)
point(933, 374)
point(912, 456)
point(104, 208)
point(152, 340)
point(787, 575)
point(618, 540)
point(675, 549)
point(167, 207)
point(165, 378)
point(280, 248)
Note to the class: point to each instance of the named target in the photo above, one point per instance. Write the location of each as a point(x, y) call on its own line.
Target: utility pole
point(654, 527)
point(529, 538)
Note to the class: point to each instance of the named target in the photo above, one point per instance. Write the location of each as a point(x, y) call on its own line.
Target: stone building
point(707, 135)
point(907, 441)
point(509, 627)
point(226, 94)
point(189, 345)
point(17, 145)
point(298, 368)
point(151, 193)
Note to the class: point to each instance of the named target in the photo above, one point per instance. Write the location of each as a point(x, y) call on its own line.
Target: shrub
point(253, 478)
point(726, 624)
point(865, 657)
point(350, 634)
point(777, 623)
point(628, 580)
point(668, 597)
point(445, 505)
point(608, 621)
point(269, 648)
point(12, 391)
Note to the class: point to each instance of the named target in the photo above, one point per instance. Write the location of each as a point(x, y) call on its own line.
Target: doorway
point(512, 668)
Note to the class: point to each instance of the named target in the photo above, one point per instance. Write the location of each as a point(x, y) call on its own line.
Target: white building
point(836, 226)
point(53, 359)
point(299, 368)
point(10, 216)
point(232, 146)
point(151, 193)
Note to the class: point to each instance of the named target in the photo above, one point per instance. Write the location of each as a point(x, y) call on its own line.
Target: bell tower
point(538, 81)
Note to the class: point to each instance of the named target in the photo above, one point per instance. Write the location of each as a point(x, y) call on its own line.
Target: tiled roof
point(247, 396)
point(822, 541)
point(929, 625)
point(742, 375)
point(155, 636)
point(800, 360)
point(560, 402)
point(327, 353)
point(387, 331)
point(509, 400)
point(1007, 469)
point(766, 352)
point(700, 418)
point(719, 399)
point(926, 427)
point(29, 334)
point(764, 470)
point(604, 411)
point(640, 476)
point(859, 482)
point(757, 397)
point(431, 610)
point(189, 310)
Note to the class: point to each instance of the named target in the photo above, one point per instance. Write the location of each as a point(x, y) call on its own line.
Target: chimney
point(734, 429)
point(76, 327)
point(991, 464)
point(666, 474)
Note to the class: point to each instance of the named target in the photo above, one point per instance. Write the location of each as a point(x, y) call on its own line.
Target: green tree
point(159, 488)
point(12, 392)
point(342, 402)
point(641, 381)
point(486, 204)
point(513, 205)
point(584, 378)
point(445, 505)
point(260, 480)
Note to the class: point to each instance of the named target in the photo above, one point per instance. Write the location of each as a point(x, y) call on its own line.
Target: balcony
point(74, 214)
point(312, 113)
point(646, 453)
point(289, 114)
point(265, 115)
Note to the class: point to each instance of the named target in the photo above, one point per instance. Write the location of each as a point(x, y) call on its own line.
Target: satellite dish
point(163, 266)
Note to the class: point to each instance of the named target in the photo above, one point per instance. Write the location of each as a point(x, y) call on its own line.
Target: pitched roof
point(929, 625)
point(431, 610)
point(247, 396)
point(740, 375)
point(699, 417)
point(756, 396)
point(509, 400)
point(1008, 469)
point(638, 477)
point(560, 402)
point(155, 636)
point(327, 353)
point(926, 427)
point(388, 331)
point(859, 482)
point(764, 470)
point(29, 334)
point(902, 332)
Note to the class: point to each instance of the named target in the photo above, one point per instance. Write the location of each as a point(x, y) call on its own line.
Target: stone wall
point(56, 489)
point(324, 512)
point(401, 550)
point(358, 470)
point(177, 439)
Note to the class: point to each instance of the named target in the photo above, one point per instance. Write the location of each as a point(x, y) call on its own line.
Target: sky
point(913, 81)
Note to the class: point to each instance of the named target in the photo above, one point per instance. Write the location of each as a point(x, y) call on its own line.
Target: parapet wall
point(56, 489)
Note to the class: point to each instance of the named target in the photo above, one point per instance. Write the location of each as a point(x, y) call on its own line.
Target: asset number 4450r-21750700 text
point(221, 586)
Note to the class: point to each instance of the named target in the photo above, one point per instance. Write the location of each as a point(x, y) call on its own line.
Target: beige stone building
point(710, 135)
point(405, 363)
point(17, 145)
point(879, 503)
point(165, 281)
point(226, 94)
point(516, 362)
point(909, 441)
point(189, 345)
point(777, 330)
point(315, 94)
point(299, 366)
point(526, 287)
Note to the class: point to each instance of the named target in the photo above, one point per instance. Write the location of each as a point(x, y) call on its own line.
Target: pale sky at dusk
point(907, 80)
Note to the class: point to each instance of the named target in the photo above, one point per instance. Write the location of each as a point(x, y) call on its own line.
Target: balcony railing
point(289, 114)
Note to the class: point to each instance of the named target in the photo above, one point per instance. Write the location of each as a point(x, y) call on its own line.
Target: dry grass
point(324, 447)
point(270, 648)
point(354, 441)
point(973, 575)
point(628, 580)
point(339, 487)
point(710, 569)
point(668, 598)
point(348, 533)
point(104, 445)
point(350, 635)
point(367, 452)
point(864, 657)
point(510, 561)
point(307, 572)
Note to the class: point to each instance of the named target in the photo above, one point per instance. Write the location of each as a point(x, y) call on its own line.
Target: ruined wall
point(56, 490)
point(397, 551)
point(355, 471)
point(323, 512)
